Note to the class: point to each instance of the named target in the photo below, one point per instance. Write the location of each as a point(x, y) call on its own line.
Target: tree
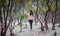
point(7, 8)
point(45, 11)
point(53, 8)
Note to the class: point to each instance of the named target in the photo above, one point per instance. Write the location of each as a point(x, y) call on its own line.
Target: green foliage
point(51, 1)
point(58, 4)
point(0, 1)
point(42, 5)
point(17, 1)
point(19, 16)
point(5, 2)
point(33, 9)
point(27, 0)
point(42, 2)
point(28, 6)
point(21, 1)
point(43, 10)
point(24, 16)
point(52, 7)
point(17, 9)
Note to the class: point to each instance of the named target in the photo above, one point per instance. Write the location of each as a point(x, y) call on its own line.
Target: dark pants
point(30, 21)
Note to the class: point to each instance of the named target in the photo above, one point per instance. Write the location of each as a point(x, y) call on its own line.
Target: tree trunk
point(42, 28)
point(46, 26)
point(5, 28)
point(11, 33)
point(36, 14)
point(54, 18)
point(25, 24)
point(53, 23)
point(20, 25)
point(35, 19)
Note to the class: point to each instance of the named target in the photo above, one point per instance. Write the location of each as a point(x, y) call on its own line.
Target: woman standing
point(31, 17)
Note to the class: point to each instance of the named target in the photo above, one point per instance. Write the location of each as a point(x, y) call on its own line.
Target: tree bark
point(42, 28)
point(46, 26)
point(3, 32)
point(54, 18)
point(20, 25)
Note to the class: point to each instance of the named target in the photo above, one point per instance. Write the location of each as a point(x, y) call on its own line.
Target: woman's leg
point(31, 25)
point(30, 21)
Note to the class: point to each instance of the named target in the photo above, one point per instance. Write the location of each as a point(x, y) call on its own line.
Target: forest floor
point(36, 31)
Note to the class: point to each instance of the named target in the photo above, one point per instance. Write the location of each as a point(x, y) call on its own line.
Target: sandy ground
point(36, 31)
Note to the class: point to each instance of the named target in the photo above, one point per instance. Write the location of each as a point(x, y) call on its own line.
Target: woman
point(31, 19)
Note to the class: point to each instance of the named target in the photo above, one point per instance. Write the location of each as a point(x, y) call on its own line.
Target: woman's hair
point(31, 13)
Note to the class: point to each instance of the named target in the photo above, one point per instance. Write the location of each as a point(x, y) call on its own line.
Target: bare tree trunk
point(20, 25)
point(1, 20)
point(46, 26)
point(5, 19)
point(42, 28)
point(47, 1)
point(35, 19)
point(36, 14)
point(11, 18)
point(54, 18)
point(3, 32)
point(1, 24)
point(53, 24)
point(25, 25)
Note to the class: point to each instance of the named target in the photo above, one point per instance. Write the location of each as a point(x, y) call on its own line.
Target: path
point(36, 31)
